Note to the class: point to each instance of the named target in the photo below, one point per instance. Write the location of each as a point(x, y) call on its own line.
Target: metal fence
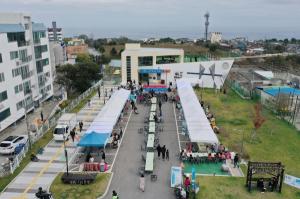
point(11, 166)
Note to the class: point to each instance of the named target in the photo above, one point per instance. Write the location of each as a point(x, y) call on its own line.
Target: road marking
point(177, 127)
point(34, 180)
point(121, 141)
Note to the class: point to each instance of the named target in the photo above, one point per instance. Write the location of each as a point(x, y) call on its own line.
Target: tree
point(213, 47)
point(113, 52)
point(120, 52)
point(83, 58)
point(101, 49)
point(167, 40)
point(83, 36)
point(86, 75)
point(78, 77)
point(258, 119)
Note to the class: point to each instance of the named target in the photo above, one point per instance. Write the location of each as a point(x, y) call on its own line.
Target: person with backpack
point(114, 195)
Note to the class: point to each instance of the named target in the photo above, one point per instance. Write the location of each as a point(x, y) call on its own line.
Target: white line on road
point(176, 127)
point(112, 165)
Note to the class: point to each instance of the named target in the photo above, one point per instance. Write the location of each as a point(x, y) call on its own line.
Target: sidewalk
point(52, 161)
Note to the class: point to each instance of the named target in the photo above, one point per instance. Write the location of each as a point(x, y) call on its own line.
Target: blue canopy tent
point(98, 134)
point(94, 139)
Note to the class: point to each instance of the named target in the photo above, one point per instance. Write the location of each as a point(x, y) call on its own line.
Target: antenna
point(206, 25)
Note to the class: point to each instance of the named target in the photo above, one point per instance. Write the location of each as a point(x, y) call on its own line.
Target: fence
point(11, 166)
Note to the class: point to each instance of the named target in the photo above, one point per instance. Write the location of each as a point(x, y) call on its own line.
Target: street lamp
point(66, 154)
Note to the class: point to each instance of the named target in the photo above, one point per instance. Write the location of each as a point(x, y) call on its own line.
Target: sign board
point(154, 71)
point(176, 176)
point(292, 181)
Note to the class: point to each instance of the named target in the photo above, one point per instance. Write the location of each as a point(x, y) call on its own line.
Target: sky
point(138, 19)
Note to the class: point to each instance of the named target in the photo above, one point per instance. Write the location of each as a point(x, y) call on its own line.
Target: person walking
point(121, 132)
point(159, 105)
point(158, 148)
point(236, 160)
point(103, 155)
point(80, 126)
point(89, 102)
point(72, 133)
point(99, 92)
point(132, 104)
point(115, 195)
point(142, 183)
point(42, 116)
point(167, 155)
point(163, 152)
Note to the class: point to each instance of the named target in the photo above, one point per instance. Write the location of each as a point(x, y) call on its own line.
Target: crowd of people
point(163, 151)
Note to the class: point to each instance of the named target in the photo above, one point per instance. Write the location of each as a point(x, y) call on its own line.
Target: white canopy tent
point(198, 126)
point(110, 113)
point(107, 117)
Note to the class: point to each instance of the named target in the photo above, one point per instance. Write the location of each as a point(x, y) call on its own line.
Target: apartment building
point(25, 70)
point(54, 33)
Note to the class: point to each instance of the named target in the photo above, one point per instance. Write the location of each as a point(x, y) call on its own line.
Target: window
point(20, 105)
point(26, 26)
point(27, 88)
point(167, 59)
point(4, 114)
point(128, 67)
point(3, 96)
point(40, 64)
point(23, 55)
point(145, 61)
point(18, 88)
point(48, 88)
point(17, 37)
point(14, 55)
point(2, 79)
point(0, 58)
point(38, 50)
point(38, 35)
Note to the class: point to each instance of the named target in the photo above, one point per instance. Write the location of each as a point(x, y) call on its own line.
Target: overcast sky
point(159, 18)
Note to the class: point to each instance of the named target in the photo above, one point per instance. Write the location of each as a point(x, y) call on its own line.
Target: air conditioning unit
point(18, 63)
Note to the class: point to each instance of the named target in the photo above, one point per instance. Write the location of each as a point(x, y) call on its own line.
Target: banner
point(176, 176)
point(292, 181)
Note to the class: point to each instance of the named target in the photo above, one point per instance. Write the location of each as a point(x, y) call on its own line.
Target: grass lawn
point(91, 191)
point(77, 108)
point(4, 181)
point(234, 188)
point(276, 141)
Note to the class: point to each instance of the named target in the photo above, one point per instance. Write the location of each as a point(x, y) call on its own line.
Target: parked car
point(9, 145)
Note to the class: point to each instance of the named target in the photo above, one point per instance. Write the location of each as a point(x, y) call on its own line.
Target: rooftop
point(5, 28)
point(38, 27)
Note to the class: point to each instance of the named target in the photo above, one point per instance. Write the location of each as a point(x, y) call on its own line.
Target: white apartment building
point(215, 37)
point(54, 33)
point(25, 70)
point(163, 65)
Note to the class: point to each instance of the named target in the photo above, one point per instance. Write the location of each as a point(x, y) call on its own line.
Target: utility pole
point(66, 154)
point(27, 128)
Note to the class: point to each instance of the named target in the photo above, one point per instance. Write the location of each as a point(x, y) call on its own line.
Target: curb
point(108, 186)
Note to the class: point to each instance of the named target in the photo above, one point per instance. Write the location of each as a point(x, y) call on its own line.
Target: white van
point(64, 125)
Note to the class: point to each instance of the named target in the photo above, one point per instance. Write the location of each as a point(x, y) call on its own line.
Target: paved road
point(52, 161)
point(20, 127)
point(126, 179)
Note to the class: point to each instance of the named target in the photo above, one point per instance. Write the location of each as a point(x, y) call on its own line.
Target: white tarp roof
point(109, 114)
point(265, 74)
point(198, 125)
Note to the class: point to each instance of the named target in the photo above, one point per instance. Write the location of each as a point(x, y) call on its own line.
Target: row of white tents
point(198, 125)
